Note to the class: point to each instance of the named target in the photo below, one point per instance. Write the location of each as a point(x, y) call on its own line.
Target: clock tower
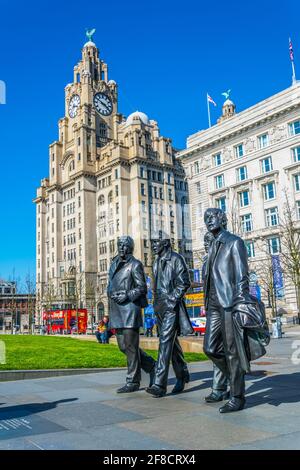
point(108, 176)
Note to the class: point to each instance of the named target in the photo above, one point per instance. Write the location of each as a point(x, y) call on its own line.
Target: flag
point(210, 100)
point(291, 50)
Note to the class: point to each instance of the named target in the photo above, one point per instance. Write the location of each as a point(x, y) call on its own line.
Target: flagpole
point(208, 111)
point(292, 62)
point(294, 74)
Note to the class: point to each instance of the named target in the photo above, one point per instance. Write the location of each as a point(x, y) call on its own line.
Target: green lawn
point(48, 352)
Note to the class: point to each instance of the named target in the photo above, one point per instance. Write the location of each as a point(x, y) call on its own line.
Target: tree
point(233, 217)
point(30, 291)
point(74, 292)
point(290, 246)
point(49, 297)
point(264, 271)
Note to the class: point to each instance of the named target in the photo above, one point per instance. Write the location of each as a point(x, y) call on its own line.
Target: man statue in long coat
point(127, 293)
point(236, 329)
point(171, 281)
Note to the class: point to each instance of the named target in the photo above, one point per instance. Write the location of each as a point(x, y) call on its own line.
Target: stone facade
point(246, 163)
point(108, 176)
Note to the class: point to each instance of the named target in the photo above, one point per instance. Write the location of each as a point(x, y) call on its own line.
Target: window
point(117, 191)
point(274, 245)
point(161, 193)
point(219, 181)
point(296, 154)
point(239, 150)
point(250, 249)
point(298, 209)
point(144, 206)
point(141, 172)
point(198, 187)
point(218, 159)
point(266, 165)
point(101, 200)
point(196, 170)
point(294, 128)
point(146, 259)
point(170, 194)
point(263, 141)
point(221, 203)
point(244, 198)
point(112, 246)
point(169, 176)
point(143, 193)
point(272, 218)
point(116, 174)
point(247, 225)
point(242, 173)
point(269, 191)
point(297, 182)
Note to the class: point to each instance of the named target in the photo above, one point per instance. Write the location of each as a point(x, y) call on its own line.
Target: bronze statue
point(236, 329)
point(127, 293)
point(171, 281)
point(220, 382)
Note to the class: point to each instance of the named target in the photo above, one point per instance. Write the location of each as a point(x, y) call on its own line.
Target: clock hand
point(105, 105)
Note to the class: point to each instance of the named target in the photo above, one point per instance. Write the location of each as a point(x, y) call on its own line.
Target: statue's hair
point(162, 236)
point(221, 214)
point(128, 240)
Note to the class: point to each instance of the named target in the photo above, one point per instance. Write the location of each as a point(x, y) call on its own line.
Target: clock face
point(74, 105)
point(103, 104)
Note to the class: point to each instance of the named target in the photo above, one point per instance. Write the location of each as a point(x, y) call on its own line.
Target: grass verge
point(48, 352)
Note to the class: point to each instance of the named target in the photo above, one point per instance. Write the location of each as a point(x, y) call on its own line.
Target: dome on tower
point(89, 44)
point(228, 102)
point(137, 115)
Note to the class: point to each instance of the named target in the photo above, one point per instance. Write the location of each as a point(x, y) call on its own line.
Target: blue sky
point(165, 55)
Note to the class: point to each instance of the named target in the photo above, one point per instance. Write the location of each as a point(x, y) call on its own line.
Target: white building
point(245, 164)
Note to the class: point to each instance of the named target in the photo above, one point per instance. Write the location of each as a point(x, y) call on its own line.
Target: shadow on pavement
point(274, 390)
point(18, 411)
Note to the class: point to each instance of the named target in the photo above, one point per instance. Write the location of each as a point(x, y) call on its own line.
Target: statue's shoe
point(180, 383)
point(128, 388)
point(156, 391)
point(216, 395)
point(234, 404)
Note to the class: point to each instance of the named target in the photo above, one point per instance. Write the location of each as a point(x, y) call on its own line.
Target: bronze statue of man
point(220, 382)
point(236, 327)
point(127, 293)
point(171, 281)
point(226, 286)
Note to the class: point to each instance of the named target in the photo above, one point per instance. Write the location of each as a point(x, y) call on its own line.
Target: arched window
point(110, 197)
point(101, 200)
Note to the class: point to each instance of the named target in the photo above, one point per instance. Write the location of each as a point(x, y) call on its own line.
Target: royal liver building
point(108, 176)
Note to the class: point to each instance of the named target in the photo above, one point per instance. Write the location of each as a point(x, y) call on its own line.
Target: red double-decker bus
point(65, 321)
